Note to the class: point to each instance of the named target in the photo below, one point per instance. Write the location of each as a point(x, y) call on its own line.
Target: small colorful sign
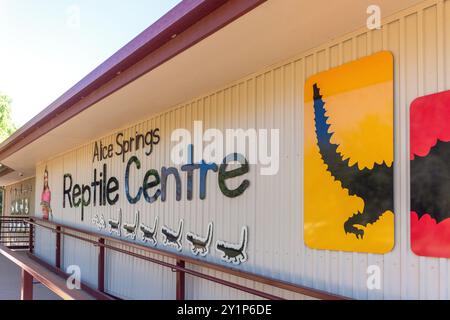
point(430, 175)
point(349, 153)
point(46, 197)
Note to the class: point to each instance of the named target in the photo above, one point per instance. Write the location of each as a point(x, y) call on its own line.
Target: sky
point(46, 46)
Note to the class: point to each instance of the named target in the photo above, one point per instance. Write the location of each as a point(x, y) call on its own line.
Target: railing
point(15, 232)
point(104, 243)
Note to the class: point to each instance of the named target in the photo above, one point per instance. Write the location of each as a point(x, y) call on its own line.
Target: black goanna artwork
point(114, 225)
point(200, 245)
point(173, 238)
point(132, 229)
point(149, 234)
point(430, 183)
point(234, 253)
point(373, 186)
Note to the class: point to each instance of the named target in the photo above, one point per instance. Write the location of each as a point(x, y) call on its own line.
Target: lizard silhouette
point(374, 186)
point(430, 182)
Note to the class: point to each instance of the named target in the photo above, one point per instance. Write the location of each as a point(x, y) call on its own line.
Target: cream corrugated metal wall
point(273, 205)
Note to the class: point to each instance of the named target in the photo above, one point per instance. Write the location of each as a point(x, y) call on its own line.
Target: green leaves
point(7, 126)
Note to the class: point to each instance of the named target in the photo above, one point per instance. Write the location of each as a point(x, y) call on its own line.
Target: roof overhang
point(192, 50)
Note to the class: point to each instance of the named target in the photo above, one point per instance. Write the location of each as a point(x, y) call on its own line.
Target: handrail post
point(58, 248)
point(31, 242)
point(26, 292)
point(180, 281)
point(101, 265)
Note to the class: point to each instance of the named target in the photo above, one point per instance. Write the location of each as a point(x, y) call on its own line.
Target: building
point(99, 160)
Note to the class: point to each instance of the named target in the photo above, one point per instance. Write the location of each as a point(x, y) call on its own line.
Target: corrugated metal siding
point(45, 245)
point(272, 207)
point(131, 278)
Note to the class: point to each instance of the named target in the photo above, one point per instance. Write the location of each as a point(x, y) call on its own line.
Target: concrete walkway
point(10, 283)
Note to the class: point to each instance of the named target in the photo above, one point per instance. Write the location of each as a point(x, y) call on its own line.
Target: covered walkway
point(10, 283)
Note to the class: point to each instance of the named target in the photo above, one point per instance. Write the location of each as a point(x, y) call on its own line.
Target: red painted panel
point(430, 175)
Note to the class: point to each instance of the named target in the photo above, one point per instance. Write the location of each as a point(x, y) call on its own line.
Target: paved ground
point(10, 283)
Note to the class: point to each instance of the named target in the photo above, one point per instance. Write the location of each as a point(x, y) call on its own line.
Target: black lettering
point(204, 168)
point(165, 172)
point(110, 151)
point(140, 141)
point(111, 188)
point(189, 169)
point(67, 190)
point(156, 137)
point(119, 140)
point(101, 190)
point(225, 175)
point(96, 153)
point(136, 198)
point(76, 193)
point(126, 148)
point(94, 185)
point(151, 184)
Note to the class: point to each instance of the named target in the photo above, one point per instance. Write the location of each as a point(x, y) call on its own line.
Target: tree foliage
point(7, 126)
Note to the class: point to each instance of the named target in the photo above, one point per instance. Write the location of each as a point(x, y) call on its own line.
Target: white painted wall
point(272, 206)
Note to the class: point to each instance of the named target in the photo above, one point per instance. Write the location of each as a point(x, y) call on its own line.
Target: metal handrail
point(15, 232)
point(179, 267)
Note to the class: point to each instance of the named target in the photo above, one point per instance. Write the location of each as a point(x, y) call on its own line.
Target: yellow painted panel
point(349, 156)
